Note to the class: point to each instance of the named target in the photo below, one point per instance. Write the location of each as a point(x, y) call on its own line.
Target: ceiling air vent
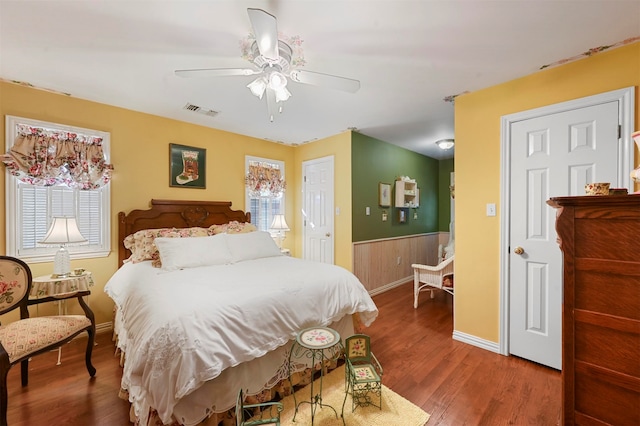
point(199, 110)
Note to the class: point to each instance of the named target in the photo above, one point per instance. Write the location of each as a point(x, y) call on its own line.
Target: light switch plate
point(491, 209)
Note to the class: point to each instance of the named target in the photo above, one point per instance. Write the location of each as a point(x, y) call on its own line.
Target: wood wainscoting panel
point(385, 263)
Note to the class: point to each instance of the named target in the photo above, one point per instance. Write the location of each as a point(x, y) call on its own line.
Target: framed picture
point(187, 166)
point(402, 216)
point(384, 194)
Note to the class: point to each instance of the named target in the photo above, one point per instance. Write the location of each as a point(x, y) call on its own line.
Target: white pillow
point(191, 252)
point(253, 245)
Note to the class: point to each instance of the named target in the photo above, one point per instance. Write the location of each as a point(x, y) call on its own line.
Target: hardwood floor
point(458, 384)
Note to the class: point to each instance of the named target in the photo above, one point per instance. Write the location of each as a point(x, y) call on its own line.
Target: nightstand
point(48, 289)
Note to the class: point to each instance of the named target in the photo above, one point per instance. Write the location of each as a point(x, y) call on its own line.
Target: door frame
point(625, 97)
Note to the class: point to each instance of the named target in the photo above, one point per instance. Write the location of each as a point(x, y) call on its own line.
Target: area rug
point(396, 411)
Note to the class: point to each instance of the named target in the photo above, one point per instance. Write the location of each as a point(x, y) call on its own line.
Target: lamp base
point(61, 263)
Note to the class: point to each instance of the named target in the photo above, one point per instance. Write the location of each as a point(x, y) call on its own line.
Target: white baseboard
point(476, 341)
point(105, 327)
point(389, 286)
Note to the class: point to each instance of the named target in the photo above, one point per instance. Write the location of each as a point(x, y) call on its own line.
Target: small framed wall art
point(402, 215)
point(384, 194)
point(187, 166)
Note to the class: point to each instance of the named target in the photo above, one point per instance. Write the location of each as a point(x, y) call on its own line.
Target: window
point(261, 201)
point(30, 208)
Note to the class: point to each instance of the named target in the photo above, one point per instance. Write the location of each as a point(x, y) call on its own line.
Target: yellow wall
point(477, 165)
point(339, 146)
point(140, 154)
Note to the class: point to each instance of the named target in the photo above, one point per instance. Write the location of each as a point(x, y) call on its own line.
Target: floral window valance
point(264, 180)
point(45, 157)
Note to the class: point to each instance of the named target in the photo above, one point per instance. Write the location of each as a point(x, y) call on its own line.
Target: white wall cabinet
point(407, 193)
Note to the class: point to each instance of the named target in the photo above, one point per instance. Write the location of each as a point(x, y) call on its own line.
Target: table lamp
point(280, 225)
point(63, 230)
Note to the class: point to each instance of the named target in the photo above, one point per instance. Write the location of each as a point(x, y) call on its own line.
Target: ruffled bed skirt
point(228, 418)
point(275, 389)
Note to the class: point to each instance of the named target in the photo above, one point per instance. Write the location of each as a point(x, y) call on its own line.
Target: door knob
point(328, 234)
point(518, 250)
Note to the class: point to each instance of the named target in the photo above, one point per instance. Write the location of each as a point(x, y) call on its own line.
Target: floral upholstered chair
point(363, 373)
point(28, 337)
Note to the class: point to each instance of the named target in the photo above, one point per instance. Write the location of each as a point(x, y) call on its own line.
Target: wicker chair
point(363, 373)
point(265, 413)
point(28, 337)
point(427, 277)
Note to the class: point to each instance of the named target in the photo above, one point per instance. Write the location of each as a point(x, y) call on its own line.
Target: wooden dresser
point(600, 239)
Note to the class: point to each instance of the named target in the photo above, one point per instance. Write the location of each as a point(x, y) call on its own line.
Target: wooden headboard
point(175, 214)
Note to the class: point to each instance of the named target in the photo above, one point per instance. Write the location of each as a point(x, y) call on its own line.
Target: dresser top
point(631, 200)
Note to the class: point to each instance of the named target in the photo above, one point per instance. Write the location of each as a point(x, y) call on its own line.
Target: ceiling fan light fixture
point(282, 94)
point(277, 81)
point(258, 86)
point(445, 143)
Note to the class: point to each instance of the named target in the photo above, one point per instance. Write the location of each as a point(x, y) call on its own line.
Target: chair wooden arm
point(63, 296)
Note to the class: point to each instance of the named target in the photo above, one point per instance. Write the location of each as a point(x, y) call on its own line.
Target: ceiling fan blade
point(325, 80)
point(215, 72)
point(265, 28)
point(272, 105)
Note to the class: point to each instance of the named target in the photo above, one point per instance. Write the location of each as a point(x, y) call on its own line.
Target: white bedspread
point(184, 328)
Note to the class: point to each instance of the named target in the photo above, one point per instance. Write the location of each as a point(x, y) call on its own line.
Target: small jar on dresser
point(600, 239)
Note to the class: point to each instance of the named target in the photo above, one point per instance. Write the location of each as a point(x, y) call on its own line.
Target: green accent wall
point(374, 161)
point(444, 209)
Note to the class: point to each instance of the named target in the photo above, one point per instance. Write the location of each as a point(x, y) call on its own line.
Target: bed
point(213, 308)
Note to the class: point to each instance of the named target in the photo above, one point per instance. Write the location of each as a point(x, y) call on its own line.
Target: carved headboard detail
point(195, 216)
point(175, 214)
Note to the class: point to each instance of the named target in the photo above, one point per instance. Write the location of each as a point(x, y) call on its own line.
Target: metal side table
point(316, 344)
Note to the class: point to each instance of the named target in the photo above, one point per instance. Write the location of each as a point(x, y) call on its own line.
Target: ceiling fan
point(272, 64)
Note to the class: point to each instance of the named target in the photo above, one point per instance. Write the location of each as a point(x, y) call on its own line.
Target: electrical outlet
point(367, 211)
point(399, 260)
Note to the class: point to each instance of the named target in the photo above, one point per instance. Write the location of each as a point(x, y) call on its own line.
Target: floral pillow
point(233, 227)
point(142, 244)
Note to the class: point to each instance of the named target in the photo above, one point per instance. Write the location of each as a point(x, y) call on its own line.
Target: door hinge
point(619, 131)
point(305, 179)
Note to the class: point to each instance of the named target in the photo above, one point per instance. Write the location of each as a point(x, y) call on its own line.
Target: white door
point(551, 155)
point(317, 211)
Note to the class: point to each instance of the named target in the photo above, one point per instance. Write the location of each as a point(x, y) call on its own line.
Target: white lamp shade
point(63, 230)
point(279, 224)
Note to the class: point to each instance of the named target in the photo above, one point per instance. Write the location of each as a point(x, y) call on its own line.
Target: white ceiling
point(408, 56)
